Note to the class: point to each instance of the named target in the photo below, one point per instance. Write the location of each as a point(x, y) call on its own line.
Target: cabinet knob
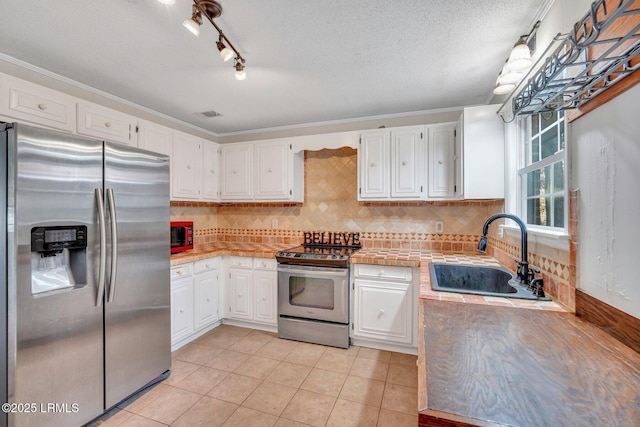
point(381, 311)
point(234, 172)
point(264, 298)
point(42, 107)
point(208, 300)
point(206, 265)
point(212, 171)
point(264, 264)
point(178, 272)
point(373, 165)
point(440, 162)
point(107, 124)
point(182, 310)
point(404, 163)
point(188, 167)
point(269, 170)
point(381, 273)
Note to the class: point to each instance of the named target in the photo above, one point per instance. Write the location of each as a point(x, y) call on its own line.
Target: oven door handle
point(315, 271)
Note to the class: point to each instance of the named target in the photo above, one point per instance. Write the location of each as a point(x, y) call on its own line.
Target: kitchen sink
point(477, 279)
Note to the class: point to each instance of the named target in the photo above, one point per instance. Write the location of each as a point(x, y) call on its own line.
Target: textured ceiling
point(307, 61)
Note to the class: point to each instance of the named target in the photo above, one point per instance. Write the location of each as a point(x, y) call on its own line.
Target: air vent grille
point(210, 114)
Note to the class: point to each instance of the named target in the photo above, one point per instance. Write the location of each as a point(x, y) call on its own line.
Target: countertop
point(499, 365)
point(256, 250)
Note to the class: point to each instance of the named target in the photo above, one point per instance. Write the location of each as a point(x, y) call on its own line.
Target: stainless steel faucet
point(524, 274)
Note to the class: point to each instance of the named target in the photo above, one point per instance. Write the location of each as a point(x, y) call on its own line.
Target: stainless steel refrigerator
point(85, 283)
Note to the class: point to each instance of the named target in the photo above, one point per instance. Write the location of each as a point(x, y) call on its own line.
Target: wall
point(606, 155)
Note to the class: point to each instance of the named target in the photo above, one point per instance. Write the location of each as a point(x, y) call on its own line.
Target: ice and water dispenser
point(58, 258)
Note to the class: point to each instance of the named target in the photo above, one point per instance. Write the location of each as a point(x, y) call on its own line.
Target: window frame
point(522, 169)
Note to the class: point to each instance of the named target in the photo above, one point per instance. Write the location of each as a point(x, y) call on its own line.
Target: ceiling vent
point(210, 114)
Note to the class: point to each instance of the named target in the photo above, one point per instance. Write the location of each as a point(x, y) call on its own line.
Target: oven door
point(316, 293)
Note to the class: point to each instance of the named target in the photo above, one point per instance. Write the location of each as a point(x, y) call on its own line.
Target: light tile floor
point(243, 377)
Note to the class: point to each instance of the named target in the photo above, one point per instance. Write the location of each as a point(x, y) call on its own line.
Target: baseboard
point(620, 325)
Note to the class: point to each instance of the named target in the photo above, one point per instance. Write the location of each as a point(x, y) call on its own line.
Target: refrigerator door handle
point(103, 247)
point(114, 244)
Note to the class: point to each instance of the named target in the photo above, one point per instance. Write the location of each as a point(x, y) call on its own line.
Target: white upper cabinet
point(210, 171)
point(441, 146)
point(261, 171)
point(186, 166)
point(482, 160)
point(236, 162)
point(407, 162)
point(104, 123)
point(36, 104)
point(271, 178)
point(154, 137)
point(373, 165)
point(391, 164)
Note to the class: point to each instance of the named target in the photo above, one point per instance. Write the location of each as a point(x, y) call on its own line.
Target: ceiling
point(308, 61)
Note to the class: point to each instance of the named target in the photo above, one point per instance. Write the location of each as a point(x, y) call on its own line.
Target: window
point(543, 171)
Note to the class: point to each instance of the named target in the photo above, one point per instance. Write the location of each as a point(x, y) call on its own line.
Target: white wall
point(606, 170)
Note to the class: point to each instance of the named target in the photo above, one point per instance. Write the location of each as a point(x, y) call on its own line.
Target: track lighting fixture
point(211, 9)
point(517, 64)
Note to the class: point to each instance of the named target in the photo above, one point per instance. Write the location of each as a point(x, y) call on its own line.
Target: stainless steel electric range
point(313, 289)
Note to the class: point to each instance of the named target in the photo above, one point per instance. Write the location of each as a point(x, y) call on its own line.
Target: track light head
point(193, 24)
point(241, 74)
point(225, 53)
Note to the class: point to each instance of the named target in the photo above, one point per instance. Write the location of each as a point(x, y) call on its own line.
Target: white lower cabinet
point(195, 306)
point(252, 290)
point(265, 291)
point(181, 302)
point(206, 287)
point(385, 306)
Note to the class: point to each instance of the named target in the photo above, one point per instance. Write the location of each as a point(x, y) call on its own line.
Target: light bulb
point(241, 74)
point(192, 25)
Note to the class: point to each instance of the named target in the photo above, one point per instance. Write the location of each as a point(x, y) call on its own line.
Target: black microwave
point(181, 236)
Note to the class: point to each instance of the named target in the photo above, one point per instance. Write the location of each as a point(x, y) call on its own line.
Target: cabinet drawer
point(265, 264)
point(240, 262)
point(100, 122)
point(183, 270)
point(37, 104)
point(205, 265)
point(384, 272)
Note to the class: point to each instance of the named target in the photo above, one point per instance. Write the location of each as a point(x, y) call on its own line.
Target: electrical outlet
point(501, 231)
point(274, 223)
point(439, 227)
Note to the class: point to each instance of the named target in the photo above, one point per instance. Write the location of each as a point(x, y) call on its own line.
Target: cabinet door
point(273, 163)
point(101, 122)
point(483, 153)
point(155, 138)
point(186, 164)
point(36, 104)
point(205, 290)
point(181, 309)
point(210, 173)
point(241, 301)
point(373, 165)
point(236, 162)
point(265, 290)
point(407, 163)
point(441, 161)
point(383, 311)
